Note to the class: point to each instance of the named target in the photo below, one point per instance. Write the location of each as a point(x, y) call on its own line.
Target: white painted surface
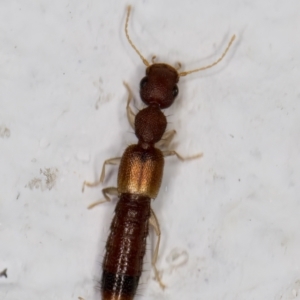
point(232, 217)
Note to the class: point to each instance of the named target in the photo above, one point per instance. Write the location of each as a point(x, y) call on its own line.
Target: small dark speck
point(3, 273)
point(231, 135)
point(64, 73)
point(18, 196)
point(239, 179)
point(79, 61)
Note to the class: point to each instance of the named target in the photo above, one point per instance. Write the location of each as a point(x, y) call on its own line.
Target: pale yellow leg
point(166, 139)
point(173, 152)
point(111, 161)
point(154, 222)
point(113, 191)
point(130, 113)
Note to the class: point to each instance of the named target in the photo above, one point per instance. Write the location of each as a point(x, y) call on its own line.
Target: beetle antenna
point(145, 61)
point(213, 64)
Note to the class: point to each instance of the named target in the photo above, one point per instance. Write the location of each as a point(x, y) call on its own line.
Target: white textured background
point(230, 221)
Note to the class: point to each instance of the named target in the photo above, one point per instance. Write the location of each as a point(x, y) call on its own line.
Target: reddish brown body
point(139, 180)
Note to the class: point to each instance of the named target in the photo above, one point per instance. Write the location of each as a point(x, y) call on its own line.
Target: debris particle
point(35, 183)
point(4, 132)
point(3, 273)
point(46, 181)
point(51, 175)
point(177, 257)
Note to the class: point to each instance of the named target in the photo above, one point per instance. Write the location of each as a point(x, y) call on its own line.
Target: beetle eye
point(143, 82)
point(175, 91)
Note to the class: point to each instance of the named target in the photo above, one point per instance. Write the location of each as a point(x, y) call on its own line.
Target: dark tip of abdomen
point(118, 286)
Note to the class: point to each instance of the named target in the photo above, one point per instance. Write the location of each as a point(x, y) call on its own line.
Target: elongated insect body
point(139, 180)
